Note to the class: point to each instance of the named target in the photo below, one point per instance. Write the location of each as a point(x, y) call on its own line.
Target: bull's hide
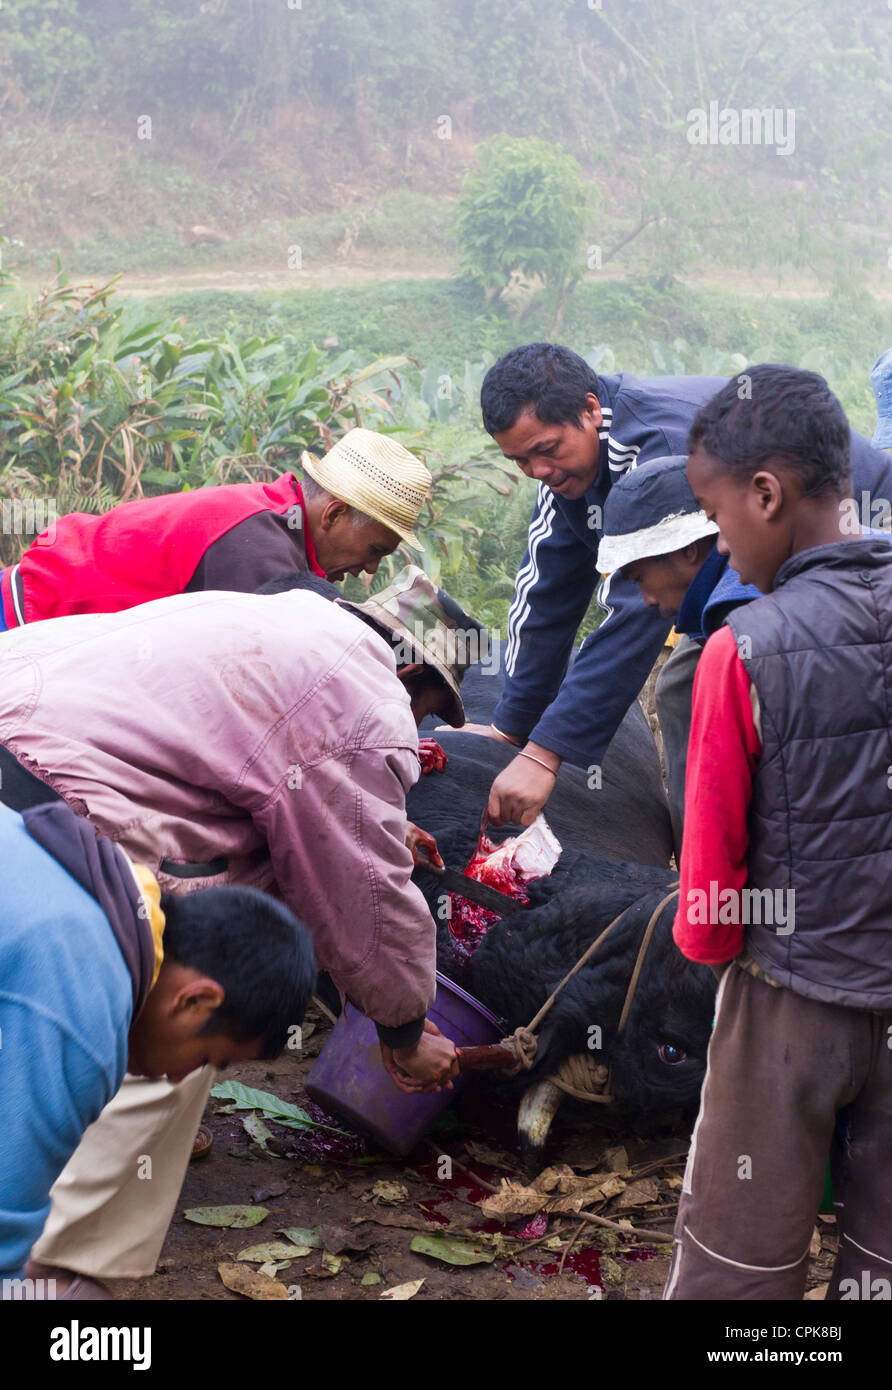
point(617, 844)
point(625, 818)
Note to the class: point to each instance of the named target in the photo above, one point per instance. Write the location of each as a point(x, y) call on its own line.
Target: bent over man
point(264, 740)
point(100, 971)
point(355, 506)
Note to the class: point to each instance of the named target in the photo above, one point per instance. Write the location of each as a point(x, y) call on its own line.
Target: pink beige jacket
point(267, 731)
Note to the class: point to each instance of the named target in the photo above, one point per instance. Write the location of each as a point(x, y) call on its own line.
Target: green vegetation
point(650, 329)
point(348, 129)
point(99, 405)
point(103, 399)
point(523, 213)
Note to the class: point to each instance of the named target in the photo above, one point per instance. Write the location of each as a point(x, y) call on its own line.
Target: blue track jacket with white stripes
point(576, 713)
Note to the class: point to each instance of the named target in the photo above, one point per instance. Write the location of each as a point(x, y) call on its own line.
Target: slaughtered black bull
point(616, 842)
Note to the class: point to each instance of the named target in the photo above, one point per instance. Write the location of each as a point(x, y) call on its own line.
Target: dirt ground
point(371, 269)
point(327, 1184)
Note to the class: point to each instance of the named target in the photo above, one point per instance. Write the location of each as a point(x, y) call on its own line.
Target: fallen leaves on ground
point(401, 1292)
point(493, 1158)
point(272, 1250)
point(557, 1189)
point(384, 1191)
point(251, 1283)
point(450, 1250)
point(271, 1107)
point(274, 1189)
point(258, 1131)
point(300, 1235)
point(338, 1238)
point(404, 1220)
point(238, 1217)
point(639, 1193)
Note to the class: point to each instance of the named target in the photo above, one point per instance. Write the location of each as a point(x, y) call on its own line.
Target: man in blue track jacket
point(576, 433)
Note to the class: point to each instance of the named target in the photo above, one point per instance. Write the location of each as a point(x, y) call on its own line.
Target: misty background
point(326, 212)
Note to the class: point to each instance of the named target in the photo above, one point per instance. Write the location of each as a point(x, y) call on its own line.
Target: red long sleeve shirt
point(235, 537)
point(723, 750)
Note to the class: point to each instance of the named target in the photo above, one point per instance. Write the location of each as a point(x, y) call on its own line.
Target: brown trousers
point(780, 1069)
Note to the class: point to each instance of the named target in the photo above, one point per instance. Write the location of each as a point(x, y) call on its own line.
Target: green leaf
point(237, 1217)
point(450, 1250)
point(301, 1236)
point(272, 1250)
point(249, 1098)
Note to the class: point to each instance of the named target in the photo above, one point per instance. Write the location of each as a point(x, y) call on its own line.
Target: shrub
point(522, 212)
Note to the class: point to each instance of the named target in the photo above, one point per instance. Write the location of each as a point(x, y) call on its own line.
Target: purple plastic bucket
point(349, 1079)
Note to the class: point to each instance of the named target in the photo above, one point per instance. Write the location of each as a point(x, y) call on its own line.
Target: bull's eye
point(670, 1054)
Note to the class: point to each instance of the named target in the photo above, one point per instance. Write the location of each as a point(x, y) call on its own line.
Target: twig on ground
point(481, 1182)
point(658, 1163)
point(641, 1231)
point(569, 1246)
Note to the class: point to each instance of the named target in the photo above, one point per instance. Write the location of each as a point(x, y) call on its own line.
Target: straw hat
point(432, 625)
point(377, 476)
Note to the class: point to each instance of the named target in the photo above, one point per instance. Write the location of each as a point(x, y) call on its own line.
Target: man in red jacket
point(356, 505)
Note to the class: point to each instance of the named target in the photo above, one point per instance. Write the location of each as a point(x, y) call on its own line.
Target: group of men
point(205, 755)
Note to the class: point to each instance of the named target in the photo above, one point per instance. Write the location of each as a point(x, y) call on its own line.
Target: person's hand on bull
point(416, 839)
point(426, 1066)
point(431, 756)
point(522, 788)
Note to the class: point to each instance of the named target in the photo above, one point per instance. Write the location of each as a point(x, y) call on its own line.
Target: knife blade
point(472, 889)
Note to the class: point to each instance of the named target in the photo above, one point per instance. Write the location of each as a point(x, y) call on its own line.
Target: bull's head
point(658, 1062)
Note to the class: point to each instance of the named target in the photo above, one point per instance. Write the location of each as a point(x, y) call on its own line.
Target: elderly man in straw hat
point(356, 505)
point(266, 740)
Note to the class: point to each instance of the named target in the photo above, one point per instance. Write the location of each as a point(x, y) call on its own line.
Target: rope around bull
point(580, 1076)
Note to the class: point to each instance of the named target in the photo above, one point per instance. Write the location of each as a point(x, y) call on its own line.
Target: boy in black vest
point(786, 867)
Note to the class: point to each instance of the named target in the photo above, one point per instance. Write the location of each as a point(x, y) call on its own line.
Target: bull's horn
point(534, 1117)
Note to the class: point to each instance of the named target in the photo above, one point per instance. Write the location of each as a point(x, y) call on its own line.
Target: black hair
point(551, 379)
point(772, 411)
point(428, 678)
point(254, 947)
point(300, 579)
